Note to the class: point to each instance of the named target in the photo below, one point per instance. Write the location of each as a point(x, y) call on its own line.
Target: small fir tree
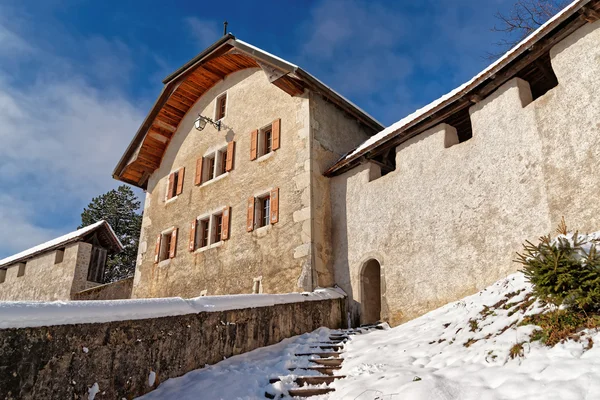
point(563, 272)
point(120, 208)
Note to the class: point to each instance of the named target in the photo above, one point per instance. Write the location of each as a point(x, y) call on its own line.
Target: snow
point(21, 314)
point(425, 358)
point(151, 378)
point(57, 242)
point(398, 126)
point(93, 391)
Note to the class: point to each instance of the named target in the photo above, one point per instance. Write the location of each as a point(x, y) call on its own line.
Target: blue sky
point(77, 77)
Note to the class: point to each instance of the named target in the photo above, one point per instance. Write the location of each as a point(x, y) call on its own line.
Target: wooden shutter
point(170, 188)
point(157, 248)
point(198, 177)
point(180, 180)
point(230, 150)
point(192, 245)
point(250, 215)
point(254, 145)
point(173, 249)
point(275, 133)
point(225, 223)
point(275, 205)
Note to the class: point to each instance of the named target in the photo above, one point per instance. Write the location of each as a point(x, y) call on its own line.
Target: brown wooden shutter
point(275, 132)
point(157, 248)
point(173, 249)
point(180, 180)
point(225, 223)
point(250, 215)
point(192, 245)
point(275, 205)
point(230, 150)
point(198, 177)
point(254, 145)
point(170, 188)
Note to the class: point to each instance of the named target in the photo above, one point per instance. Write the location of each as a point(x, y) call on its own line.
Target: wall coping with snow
point(27, 314)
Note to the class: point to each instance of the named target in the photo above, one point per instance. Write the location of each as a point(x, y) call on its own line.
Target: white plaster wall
point(447, 222)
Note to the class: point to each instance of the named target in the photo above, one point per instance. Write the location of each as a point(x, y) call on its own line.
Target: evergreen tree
point(120, 208)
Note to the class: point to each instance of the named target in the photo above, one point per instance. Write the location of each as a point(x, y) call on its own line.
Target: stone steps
point(327, 362)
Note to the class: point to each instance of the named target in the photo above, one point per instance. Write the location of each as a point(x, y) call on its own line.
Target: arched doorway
point(370, 281)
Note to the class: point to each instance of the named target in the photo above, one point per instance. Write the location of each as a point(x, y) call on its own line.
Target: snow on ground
point(459, 351)
point(21, 314)
point(241, 377)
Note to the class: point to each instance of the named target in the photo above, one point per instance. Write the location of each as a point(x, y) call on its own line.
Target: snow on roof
point(69, 237)
point(397, 126)
point(22, 314)
point(294, 66)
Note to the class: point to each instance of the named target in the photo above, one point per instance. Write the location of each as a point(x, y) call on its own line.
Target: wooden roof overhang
point(520, 62)
point(186, 85)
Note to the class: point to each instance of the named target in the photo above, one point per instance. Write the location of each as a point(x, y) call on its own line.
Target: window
point(263, 210)
point(265, 137)
point(175, 183)
point(97, 264)
point(265, 140)
point(59, 256)
point(215, 164)
point(257, 285)
point(210, 229)
point(2, 275)
point(166, 245)
point(21, 271)
point(217, 227)
point(221, 107)
point(202, 234)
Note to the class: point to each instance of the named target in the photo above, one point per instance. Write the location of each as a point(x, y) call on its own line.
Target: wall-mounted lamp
point(201, 121)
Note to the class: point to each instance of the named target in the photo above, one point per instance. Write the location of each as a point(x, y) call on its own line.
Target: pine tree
point(120, 208)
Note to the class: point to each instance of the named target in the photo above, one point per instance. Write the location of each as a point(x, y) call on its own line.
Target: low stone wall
point(64, 361)
point(110, 291)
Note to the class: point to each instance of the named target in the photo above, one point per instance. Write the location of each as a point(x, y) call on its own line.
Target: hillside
point(459, 351)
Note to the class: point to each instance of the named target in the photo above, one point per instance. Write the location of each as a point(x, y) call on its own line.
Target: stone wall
point(278, 253)
point(110, 291)
point(62, 362)
point(448, 221)
point(46, 279)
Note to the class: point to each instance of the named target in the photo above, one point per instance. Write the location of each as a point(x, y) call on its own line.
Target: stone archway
point(370, 282)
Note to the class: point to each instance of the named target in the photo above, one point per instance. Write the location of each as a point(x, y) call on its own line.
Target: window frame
point(265, 142)
point(219, 108)
point(166, 237)
point(173, 194)
point(262, 203)
point(214, 165)
point(209, 223)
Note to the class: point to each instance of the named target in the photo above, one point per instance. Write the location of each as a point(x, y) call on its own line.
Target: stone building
point(59, 269)
point(290, 186)
point(242, 205)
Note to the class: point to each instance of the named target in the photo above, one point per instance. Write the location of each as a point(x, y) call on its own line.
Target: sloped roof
point(540, 41)
point(186, 85)
point(61, 241)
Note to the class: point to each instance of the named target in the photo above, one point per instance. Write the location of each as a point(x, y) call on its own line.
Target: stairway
point(325, 359)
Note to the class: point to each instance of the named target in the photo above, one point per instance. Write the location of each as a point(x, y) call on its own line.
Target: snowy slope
point(423, 359)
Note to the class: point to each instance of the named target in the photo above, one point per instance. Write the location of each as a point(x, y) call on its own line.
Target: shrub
point(564, 271)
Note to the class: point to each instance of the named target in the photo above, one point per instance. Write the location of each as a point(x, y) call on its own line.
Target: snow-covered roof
point(61, 241)
point(424, 112)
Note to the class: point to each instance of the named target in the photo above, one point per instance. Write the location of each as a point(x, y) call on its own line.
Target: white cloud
point(205, 32)
point(61, 138)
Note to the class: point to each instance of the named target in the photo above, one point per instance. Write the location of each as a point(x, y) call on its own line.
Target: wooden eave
point(186, 85)
point(519, 62)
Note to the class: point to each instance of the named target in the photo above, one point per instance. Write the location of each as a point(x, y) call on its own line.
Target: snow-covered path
point(459, 351)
